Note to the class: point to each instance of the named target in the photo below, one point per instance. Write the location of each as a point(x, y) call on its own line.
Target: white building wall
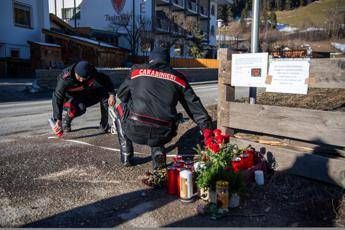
point(62, 4)
point(14, 37)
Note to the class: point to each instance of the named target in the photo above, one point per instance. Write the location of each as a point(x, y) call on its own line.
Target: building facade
point(141, 24)
point(22, 21)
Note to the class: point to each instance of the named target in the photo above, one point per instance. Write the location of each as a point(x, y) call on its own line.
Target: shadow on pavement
point(108, 212)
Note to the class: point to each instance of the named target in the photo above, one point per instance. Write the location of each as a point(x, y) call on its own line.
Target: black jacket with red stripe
point(154, 91)
point(68, 85)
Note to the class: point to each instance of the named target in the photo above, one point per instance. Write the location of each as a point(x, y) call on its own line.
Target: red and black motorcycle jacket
point(154, 90)
point(67, 85)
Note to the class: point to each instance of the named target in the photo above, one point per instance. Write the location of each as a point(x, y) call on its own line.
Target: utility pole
point(254, 48)
point(75, 14)
point(55, 7)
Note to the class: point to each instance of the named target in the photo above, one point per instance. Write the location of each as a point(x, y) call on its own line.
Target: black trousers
point(77, 103)
point(146, 134)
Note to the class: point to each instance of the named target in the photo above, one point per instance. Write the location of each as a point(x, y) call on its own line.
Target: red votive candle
point(236, 164)
point(250, 153)
point(172, 180)
point(177, 176)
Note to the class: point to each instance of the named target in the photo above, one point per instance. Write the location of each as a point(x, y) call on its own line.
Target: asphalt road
point(78, 181)
point(20, 119)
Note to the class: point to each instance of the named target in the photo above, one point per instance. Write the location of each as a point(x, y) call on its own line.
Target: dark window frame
point(15, 50)
point(24, 7)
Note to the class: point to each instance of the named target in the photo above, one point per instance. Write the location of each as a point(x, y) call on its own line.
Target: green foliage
point(225, 13)
point(218, 167)
point(197, 44)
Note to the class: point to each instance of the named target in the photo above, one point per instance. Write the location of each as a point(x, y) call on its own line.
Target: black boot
point(66, 123)
point(126, 146)
point(158, 157)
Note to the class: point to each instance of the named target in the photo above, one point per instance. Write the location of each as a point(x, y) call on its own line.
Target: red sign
point(118, 5)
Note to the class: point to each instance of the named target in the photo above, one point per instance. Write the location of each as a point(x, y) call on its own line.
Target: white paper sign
point(249, 70)
point(288, 76)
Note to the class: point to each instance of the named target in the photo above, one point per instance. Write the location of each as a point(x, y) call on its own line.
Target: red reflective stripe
point(73, 89)
point(91, 81)
point(157, 74)
point(120, 110)
point(81, 87)
point(72, 110)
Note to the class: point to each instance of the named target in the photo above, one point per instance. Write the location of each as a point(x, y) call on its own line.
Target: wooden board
point(302, 163)
point(327, 73)
point(324, 73)
point(303, 124)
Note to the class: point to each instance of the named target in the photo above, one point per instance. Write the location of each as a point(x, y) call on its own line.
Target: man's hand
point(111, 100)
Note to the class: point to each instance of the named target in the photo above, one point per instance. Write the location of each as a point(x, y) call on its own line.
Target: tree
point(225, 12)
point(273, 19)
point(136, 30)
point(288, 4)
point(302, 3)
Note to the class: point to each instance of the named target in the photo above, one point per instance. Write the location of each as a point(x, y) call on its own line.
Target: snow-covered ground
point(339, 46)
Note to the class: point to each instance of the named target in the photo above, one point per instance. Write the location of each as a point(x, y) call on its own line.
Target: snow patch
point(339, 46)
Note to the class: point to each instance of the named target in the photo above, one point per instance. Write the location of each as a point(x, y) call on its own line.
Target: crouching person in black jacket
point(80, 86)
point(147, 110)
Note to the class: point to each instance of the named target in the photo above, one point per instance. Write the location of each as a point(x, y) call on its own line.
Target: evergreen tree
point(225, 12)
point(273, 19)
point(197, 44)
point(288, 4)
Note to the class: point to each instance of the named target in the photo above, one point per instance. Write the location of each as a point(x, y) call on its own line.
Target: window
point(22, 15)
point(68, 13)
point(213, 11)
point(15, 53)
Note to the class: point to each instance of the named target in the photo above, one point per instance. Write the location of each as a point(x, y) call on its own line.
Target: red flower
point(219, 139)
point(217, 132)
point(214, 148)
point(208, 142)
point(207, 133)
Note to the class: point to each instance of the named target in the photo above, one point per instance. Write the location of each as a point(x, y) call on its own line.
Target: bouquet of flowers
point(216, 162)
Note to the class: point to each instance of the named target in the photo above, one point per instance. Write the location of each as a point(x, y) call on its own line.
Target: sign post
point(254, 42)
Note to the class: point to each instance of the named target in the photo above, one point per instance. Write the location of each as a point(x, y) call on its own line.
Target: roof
point(61, 23)
point(82, 40)
point(44, 44)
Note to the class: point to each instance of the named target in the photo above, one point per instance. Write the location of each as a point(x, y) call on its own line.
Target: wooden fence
point(313, 127)
point(183, 62)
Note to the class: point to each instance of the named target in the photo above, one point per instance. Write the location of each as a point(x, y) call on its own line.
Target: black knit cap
point(84, 69)
point(160, 55)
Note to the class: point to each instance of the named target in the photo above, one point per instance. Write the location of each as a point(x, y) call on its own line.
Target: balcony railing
point(178, 3)
point(163, 1)
point(192, 6)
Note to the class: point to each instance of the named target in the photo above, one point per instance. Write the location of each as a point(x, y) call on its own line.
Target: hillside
point(312, 15)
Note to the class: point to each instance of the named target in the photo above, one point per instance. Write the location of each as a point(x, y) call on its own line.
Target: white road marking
point(88, 144)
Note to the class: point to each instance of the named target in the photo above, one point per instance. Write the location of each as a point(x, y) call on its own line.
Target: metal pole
point(55, 7)
point(254, 42)
point(75, 14)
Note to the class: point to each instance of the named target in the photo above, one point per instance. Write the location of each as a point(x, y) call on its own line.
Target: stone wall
point(46, 79)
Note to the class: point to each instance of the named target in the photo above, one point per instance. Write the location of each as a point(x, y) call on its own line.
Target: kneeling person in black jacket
point(80, 86)
point(147, 112)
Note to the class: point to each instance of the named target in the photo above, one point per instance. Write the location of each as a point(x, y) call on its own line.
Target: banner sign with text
point(288, 76)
